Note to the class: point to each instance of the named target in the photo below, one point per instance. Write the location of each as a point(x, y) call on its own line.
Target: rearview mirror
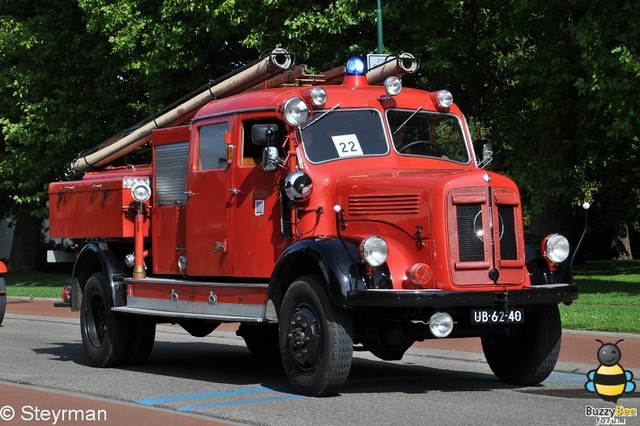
point(487, 155)
point(264, 134)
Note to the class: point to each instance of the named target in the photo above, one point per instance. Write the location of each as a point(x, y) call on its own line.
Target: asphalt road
point(216, 380)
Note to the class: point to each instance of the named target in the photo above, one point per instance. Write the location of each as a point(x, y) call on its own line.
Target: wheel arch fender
point(329, 257)
point(97, 257)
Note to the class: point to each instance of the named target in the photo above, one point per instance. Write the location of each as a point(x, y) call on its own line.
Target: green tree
point(59, 95)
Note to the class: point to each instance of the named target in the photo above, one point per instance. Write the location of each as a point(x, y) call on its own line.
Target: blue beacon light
point(355, 66)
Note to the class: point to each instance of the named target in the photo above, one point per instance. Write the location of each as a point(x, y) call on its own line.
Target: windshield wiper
point(407, 120)
point(322, 116)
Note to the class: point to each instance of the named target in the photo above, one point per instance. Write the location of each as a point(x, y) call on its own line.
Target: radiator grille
point(508, 249)
point(470, 232)
point(171, 173)
point(486, 238)
point(372, 205)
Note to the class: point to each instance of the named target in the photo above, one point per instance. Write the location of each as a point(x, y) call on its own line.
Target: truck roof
point(347, 95)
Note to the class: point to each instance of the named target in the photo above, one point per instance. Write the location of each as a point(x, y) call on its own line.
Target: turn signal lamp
point(421, 275)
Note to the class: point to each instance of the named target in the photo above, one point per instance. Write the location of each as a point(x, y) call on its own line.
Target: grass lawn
point(609, 295)
point(609, 298)
point(36, 284)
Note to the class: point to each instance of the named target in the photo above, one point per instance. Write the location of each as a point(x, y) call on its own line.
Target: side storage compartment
point(96, 206)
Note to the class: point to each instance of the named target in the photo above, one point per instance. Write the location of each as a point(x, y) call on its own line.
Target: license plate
point(494, 316)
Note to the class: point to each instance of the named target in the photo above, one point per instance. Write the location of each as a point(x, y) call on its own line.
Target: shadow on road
point(235, 366)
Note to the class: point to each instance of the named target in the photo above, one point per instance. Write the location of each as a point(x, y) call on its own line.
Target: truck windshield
point(427, 134)
point(345, 134)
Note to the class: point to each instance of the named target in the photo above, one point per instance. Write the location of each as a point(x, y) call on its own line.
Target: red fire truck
point(321, 212)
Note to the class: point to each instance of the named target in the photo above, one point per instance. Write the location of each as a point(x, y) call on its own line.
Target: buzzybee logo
point(610, 380)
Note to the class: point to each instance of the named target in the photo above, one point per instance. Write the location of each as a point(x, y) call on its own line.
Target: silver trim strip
point(193, 283)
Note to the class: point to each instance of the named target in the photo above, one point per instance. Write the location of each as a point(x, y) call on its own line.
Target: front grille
point(373, 205)
point(470, 232)
point(508, 249)
point(485, 236)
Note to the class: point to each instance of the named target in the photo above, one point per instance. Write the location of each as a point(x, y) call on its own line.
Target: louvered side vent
point(171, 173)
point(373, 205)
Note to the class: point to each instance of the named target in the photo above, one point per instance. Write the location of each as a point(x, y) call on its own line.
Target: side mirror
point(487, 155)
point(264, 134)
point(270, 158)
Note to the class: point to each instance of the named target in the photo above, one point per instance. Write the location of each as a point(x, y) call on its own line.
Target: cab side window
point(212, 150)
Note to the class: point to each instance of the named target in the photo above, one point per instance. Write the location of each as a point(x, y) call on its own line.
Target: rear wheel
point(316, 346)
point(143, 334)
point(105, 334)
point(527, 353)
point(3, 299)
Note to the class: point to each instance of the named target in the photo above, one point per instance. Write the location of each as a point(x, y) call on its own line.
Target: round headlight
point(393, 85)
point(318, 96)
point(556, 248)
point(374, 250)
point(445, 99)
point(295, 111)
point(298, 186)
point(141, 192)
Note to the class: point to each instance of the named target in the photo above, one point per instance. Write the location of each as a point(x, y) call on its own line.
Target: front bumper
point(538, 295)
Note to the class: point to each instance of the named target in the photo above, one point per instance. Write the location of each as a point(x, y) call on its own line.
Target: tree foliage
point(552, 85)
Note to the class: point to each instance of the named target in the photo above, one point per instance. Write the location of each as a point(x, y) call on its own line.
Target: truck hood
point(405, 197)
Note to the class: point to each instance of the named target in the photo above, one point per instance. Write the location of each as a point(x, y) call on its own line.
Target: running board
point(186, 315)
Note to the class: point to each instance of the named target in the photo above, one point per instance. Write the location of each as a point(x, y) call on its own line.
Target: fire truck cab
point(320, 215)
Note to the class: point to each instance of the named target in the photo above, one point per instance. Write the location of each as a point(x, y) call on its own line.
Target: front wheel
point(527, 353)
point(316, 346)
point(105, 334)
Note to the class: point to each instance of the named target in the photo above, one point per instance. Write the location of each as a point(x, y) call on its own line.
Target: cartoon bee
point(610, 380)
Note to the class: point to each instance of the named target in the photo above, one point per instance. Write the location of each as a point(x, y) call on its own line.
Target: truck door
point(207, 203)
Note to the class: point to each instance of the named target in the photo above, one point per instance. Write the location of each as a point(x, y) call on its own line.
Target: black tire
point(316, 346)
point(527, 354)
point(3, 299)
point(261, 339)
point(105, 334)
point(141, 339)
